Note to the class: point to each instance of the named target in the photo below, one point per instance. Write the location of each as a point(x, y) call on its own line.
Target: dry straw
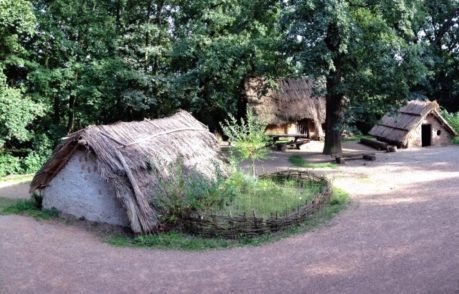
point(396, 127)
point(293, 100)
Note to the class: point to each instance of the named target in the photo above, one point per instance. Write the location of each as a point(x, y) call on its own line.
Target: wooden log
point(340, 160)
point(369, 157)
point(374, 144)
point(391, 148)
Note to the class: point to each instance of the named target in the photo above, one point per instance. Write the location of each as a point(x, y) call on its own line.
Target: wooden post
point(142, 203)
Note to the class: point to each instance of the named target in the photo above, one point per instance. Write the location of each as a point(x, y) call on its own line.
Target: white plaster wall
point(80, 191)
point(414, 138)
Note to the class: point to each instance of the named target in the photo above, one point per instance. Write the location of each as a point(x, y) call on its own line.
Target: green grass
point(180, 241)
point(17, 178)
point(170, 240)
point(298, 161)
point(6, 202)
point(25, 207)
point(264, 197)
point(356, 138)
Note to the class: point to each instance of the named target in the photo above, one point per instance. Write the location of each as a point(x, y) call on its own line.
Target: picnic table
point(298, 140)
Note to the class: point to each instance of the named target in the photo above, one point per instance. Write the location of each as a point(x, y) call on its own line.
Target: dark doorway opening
point(426, 135)
point(303, 127)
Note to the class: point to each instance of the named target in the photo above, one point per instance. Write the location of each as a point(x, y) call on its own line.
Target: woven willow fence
point(247, 225)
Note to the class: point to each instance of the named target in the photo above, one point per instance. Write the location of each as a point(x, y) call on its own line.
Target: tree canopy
point(67, 64)
point(365, 50)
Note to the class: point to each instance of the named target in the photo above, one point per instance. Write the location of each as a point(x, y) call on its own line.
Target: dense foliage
point(366, 50)
point(65, 64)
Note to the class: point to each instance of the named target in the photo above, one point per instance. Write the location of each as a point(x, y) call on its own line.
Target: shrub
point(9, 165)
point(42, 147)
point(247, 138)
point(452, 118)
point(32, 162)
point(186, 190)
point(453, 121)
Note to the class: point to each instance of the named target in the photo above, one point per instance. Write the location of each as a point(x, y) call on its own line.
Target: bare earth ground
point(14, 190)
point(400, 235)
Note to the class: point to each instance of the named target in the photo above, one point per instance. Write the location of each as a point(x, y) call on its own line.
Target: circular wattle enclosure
point(249, 224)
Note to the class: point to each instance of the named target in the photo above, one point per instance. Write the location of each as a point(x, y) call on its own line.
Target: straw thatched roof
point(293, 100)
point(394, 127)
point(132, 155)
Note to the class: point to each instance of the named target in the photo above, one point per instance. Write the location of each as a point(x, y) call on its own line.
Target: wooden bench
point(298, 140)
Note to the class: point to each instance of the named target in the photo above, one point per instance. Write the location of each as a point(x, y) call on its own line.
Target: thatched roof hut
point(418, 123)
point(124, 159)
point(292, 101)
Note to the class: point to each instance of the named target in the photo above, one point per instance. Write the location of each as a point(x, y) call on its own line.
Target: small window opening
point(438, 132)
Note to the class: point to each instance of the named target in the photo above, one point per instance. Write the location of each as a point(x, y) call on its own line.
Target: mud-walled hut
point(110, 173)
point(417, 124)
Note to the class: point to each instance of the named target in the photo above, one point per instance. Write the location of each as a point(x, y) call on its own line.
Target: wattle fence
point(248, 225)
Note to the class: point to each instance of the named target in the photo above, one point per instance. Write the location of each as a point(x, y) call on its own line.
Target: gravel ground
point(399, 235)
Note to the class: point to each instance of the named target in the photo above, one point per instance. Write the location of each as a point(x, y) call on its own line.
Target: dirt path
point(400, 235)
point(14, 190)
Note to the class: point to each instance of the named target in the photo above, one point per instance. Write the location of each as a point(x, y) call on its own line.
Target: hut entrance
point(306, 127)
point(426, 135)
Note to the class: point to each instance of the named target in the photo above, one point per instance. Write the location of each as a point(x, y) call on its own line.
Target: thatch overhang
point(293, 100)
point(132, 155)
point(395, 127)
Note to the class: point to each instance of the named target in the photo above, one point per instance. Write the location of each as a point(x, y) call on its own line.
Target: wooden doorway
point(426, 135)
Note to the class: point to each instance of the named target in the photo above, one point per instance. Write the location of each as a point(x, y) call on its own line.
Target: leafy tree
point(17, 111)
point(217, 44)
point(437, 28)
point(75, 40)
point(365, 50)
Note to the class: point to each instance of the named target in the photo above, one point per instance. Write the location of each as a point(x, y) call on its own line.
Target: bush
point(186, 190)
point(248, 139)
point(452, 118)
point(9, 165)
point(42, 148)
point(32, 162)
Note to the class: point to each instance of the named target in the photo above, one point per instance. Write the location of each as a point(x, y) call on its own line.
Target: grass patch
point(356, 138)
point(264, 197)
point(170, 240)
point(17, 178)
point(455, 140)
point(180, 241)
point(298, 161)
point(6, 202)
point(25, 207)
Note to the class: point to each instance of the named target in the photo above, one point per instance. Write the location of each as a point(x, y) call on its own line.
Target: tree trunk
point(335, 96)
point(334, 110)
point(57, 110)
point(71, 114)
